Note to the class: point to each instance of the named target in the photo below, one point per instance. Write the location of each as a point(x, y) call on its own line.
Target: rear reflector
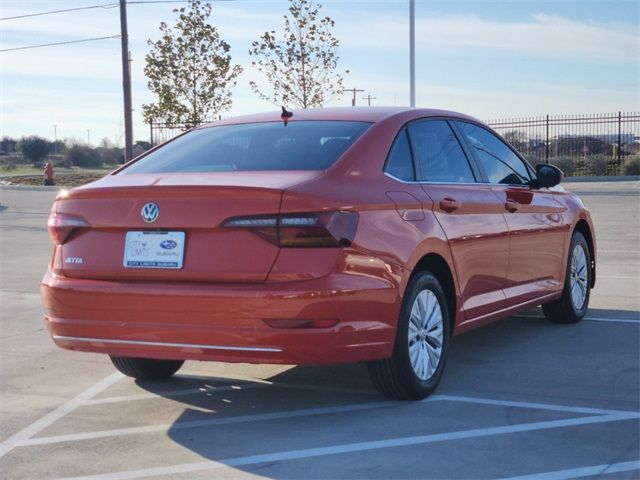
point(303, 230)
point(300, 323)
point(60, 226)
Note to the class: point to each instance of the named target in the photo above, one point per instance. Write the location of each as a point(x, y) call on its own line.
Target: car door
point(469, 212)
point(537, 232)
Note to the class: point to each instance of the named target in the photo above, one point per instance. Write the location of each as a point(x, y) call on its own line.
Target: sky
point(490, 59)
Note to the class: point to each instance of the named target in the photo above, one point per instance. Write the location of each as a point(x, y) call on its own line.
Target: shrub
point(34, 148)
point(632, 167)
point(566, 164)
point(597, 165)
point(82, 156)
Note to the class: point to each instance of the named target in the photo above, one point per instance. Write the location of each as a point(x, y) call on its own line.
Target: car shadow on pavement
point(521, 358)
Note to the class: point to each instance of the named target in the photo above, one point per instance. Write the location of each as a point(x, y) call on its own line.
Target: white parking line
point(619, 277)
point(588, 319)
point(260, 417)
point(356, 447)
point(73, 437)
point(582, 471)
point(530, 405)
point(627, 252)
point(25, 434)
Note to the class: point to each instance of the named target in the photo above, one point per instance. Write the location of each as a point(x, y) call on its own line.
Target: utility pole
point(126, 83)
point(412, 53)
point(88, 137)
point(55, 139)
point(368, 98)
point(354, 91)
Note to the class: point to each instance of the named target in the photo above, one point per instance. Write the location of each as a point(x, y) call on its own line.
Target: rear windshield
point(302, 145)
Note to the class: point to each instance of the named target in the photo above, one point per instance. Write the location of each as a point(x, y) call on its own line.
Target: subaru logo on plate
point(168, 244)
point(150, 212)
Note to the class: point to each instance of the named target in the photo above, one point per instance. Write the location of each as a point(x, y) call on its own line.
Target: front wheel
point(422, 343)
point(146, 368)
point(574, 302)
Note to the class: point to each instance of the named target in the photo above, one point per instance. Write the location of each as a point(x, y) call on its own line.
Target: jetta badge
point(150, 212)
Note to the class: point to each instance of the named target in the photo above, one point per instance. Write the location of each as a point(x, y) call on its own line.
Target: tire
point(572, 306)
point(146, 368)
point(399, 377)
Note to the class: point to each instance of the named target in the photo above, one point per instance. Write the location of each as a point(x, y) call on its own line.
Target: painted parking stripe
point(588, 319)
point(356, 447)
point(260, 417)
point(531, 405)
point(618, 277)
point(36, 427)
point(73, 437)
point(582, 471)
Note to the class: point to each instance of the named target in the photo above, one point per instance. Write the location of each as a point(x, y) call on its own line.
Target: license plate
point(154, 249)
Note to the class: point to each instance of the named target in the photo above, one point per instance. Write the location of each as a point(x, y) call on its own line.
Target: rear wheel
point(422, 343)
point(146, 368)
point(574, 302)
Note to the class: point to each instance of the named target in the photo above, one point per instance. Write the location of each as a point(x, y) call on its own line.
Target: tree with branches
point(300, 64)
point(189, 68)
point(34, 148)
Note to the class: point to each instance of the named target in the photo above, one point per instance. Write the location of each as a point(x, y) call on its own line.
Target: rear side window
point(302, 145)
point(438, 153)
point(400, 162)
point(499, 162)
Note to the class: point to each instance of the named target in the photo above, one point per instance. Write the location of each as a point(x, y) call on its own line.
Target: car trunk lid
point(190, 210)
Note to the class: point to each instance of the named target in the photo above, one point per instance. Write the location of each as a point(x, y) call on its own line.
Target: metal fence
point(161, 132)
point(600, 144)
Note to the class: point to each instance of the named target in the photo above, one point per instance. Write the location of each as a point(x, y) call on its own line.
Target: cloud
point(79, 86)
point(542, 35)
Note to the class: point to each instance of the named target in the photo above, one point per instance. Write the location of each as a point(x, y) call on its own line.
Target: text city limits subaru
point(327, 236)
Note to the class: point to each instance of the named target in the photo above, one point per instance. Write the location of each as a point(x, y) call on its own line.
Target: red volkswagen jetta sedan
point(334, 235)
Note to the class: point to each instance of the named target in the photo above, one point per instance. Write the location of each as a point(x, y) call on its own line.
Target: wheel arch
point(437, 265)
point(583, 227)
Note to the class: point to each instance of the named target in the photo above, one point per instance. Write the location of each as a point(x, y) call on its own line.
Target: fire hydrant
point(48, 174)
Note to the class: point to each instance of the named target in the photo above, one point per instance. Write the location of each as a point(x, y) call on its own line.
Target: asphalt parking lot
point(522, 398)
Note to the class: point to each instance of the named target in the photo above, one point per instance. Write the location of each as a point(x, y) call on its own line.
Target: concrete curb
point(30, 188)
point(619, 178)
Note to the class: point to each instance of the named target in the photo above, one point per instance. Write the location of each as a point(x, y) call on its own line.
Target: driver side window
point(499, 162)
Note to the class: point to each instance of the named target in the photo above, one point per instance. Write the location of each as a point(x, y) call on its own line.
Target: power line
point(58, 43)
point(51, 12)
point(104, 5)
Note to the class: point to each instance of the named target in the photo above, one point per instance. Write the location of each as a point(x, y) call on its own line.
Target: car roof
point(355, 114)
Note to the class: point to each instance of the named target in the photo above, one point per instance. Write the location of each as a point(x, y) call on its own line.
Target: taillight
point(61, 225)
point(301, 230)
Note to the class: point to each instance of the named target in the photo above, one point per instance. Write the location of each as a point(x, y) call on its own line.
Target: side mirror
point(547, 176)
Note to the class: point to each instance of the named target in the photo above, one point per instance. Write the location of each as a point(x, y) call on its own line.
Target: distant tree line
point(67, 153)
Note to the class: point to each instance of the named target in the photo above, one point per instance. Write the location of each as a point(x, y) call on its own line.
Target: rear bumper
point(224, 322)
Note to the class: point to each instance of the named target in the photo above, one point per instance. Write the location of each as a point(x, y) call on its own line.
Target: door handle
point(449, 204)
point(512, 206)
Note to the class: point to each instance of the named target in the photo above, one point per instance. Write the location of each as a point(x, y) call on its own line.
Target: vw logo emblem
point(150, 212)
